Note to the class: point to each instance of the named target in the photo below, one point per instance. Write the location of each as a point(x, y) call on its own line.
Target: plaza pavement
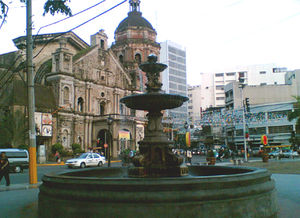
point(20, 200)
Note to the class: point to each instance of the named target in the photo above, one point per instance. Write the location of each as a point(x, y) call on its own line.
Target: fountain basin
point(153, 101)
point(209, 191)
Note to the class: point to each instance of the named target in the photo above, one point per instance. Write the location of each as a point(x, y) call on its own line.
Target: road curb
point(14, 187)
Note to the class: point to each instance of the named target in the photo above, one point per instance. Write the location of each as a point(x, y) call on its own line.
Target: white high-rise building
point(266, 74)
point(174, 77)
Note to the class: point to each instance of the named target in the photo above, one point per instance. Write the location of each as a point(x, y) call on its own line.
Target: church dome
point(134, 19)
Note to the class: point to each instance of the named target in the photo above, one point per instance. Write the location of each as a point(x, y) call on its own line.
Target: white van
point(18, 159)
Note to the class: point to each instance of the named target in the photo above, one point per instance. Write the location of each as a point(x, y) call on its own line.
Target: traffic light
point(247, 104)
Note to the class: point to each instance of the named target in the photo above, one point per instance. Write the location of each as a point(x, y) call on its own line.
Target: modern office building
point(174, 77)
point(266, 74)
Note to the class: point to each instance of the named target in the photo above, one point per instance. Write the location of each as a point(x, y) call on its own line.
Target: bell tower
point(135, 40)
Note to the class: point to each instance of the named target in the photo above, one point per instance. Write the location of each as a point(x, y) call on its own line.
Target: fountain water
point(159, 184)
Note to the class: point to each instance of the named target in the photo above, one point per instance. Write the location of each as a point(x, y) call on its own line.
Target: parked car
point(86, 160)
point(18, 159)
point(289, 154)
point(196, 152)
point(274, 154)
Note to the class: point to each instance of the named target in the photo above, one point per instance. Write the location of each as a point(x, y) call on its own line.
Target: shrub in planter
point(76, 148)
point(57, 147)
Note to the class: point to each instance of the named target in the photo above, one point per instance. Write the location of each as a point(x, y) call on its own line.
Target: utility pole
point(242, 85)
point(31, 99)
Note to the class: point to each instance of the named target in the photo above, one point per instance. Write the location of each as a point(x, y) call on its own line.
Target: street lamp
point(109, 123)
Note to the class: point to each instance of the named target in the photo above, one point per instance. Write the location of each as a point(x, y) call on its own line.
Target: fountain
point(159, 184)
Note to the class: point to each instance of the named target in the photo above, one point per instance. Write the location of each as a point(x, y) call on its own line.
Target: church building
point(78, 86)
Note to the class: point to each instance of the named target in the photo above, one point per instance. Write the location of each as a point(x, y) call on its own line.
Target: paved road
point(288, 194)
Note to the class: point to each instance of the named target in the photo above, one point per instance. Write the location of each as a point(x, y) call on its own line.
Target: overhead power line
point(56, 22)
point(76, 27)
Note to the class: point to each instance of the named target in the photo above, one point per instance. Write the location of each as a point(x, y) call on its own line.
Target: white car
point(86, 160)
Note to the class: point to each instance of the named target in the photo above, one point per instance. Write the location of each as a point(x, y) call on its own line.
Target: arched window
point(122, 109)
point(102, 43)
point(65, 139)
point(66, 95)
point(121, 58)
point(80, 104)
point(102, 108)
point(138, 58)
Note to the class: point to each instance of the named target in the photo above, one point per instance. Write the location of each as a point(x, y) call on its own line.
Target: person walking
point(4, 168)
point(57, 157)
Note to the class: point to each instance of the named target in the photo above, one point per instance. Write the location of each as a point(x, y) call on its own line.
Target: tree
point(295, 115)
point(13, 129)
point(50, 6)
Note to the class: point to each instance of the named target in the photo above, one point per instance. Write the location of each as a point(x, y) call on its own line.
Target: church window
point(65, 139)
point(138, 58)
point(102, 108)
point(122, 109)
point(121, 58)
point(102, 43)
point(80, 104)
point(102, 94)
point(66, 95)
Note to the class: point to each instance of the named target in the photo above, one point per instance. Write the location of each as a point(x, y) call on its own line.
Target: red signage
point(264, 139)
point(105, 145)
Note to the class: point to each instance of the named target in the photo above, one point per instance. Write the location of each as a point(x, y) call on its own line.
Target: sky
point(217, 34)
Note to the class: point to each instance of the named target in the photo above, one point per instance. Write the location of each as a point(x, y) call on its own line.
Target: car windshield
point(83, 155)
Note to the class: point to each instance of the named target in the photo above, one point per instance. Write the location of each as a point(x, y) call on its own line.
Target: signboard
point(43, 124)
point(125, 135)
point(264, 139)
point(188, 139)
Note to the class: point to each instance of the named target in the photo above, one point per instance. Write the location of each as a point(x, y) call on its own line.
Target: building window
point(122, 109)
point(219, 74)
point(102, 108)
point(263, 84)
point(66, 95)
point(230, 74)
point(280, 129)
point(80, 104)
point(102, 43)
point(220, 98)
point(262, 72)
point(219, 87)
point(121, 58)
point(138, 58)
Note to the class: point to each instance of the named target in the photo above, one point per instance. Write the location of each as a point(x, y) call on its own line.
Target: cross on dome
point(134, 5)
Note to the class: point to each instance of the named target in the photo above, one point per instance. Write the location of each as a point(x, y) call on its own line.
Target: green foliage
point(57, 6)
point(76, 148)
point(57, 147)
point(50, 6)
point(124, 155)
point(26, 147)
point(13, 129)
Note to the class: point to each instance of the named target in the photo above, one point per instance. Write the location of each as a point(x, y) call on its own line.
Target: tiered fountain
point(159, 184)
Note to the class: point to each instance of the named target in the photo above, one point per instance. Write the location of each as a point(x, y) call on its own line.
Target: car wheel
point(100, 164)
point(82, 165)
point(18, 169)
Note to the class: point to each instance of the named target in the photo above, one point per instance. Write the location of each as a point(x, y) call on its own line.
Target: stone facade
point(88, 82)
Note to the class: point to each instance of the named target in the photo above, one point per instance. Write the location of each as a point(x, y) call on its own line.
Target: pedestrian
point(4, 168)
point(57, 157)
